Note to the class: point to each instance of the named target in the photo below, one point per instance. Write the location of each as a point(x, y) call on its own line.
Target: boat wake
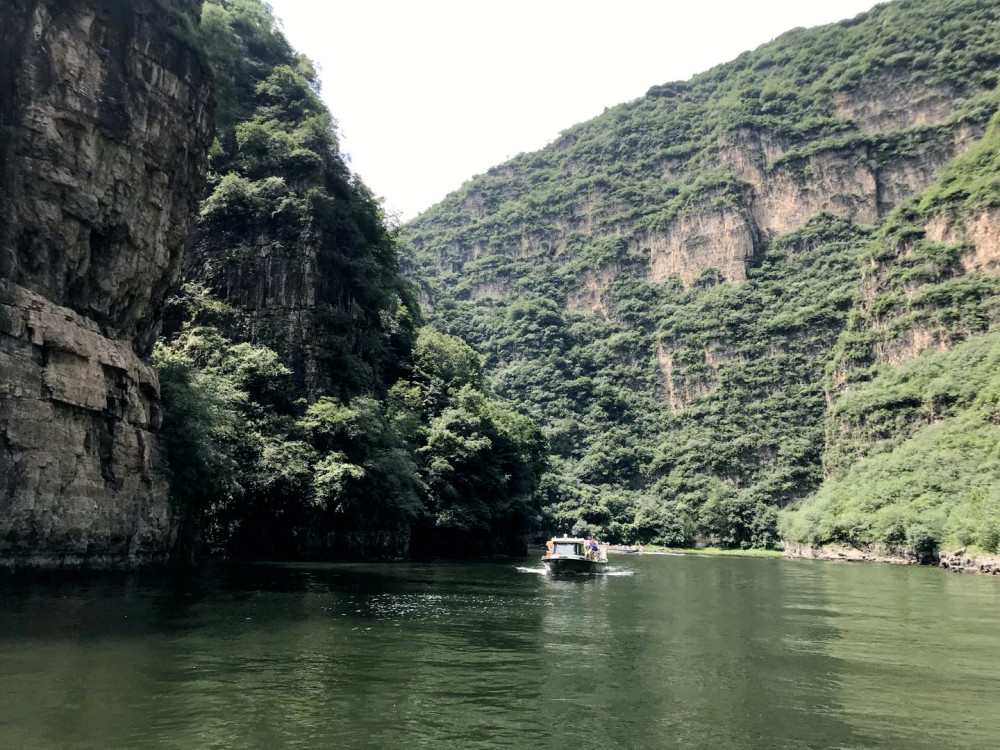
point(542, 570)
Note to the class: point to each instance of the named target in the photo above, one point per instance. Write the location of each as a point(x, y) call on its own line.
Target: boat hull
point(572, 565)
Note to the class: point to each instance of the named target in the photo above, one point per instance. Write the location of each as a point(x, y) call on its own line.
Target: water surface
point(686, 652)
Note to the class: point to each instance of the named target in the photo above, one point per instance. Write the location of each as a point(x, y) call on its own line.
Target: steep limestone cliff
point(979, 233)
point(931, 282)
point(931, 278)
point(105, 116)
point(761, 184)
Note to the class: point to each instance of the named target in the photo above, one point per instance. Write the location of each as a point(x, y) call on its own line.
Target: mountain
point(914, 422)
point(752, 306)
point(709, 296)
point(288, 237)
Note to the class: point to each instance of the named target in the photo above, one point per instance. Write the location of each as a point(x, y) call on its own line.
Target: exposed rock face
point(680, 391)
point(882, 105)
point(721, 238)
point(275, 287)
point(958, 562)
point(856, 180)
point(106, 116)
point(498, 289)
point(980, 232)
point(588, 296)
point(978, 235)
point(785, 188)
point(895, 143)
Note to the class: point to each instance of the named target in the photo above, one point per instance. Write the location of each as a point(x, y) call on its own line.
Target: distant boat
point(574, 555)
point(626, 549)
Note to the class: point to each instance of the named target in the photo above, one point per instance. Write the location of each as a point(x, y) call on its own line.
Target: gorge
point(752, 307)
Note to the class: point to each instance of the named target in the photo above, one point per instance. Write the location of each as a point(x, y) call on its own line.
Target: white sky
point(429, 93)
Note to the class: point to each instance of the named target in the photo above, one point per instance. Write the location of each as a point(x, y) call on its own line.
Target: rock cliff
point(105, 118)
point(289, 240)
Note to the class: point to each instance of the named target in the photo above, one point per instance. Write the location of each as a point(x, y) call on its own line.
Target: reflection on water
point(672, 652)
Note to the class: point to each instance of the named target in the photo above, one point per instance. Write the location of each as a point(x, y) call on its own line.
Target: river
point(669, 651)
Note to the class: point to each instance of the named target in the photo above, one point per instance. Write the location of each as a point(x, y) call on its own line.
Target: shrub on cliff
point(283, 203)
point(481, 461)
point(201, 430)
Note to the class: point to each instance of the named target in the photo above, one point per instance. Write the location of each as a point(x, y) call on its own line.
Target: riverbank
point(960, 561)
point(715, 551)
point(970, 561)
point(882, 553)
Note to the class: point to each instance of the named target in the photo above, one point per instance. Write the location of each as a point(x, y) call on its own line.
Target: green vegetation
point(971, 182)
point(305, 411)
point(639, 164)
point(915, 285)
point(482, 461)
point(911, 450)
point(440, 455)
point(693, 414)
point(288, 237)
point(747, 363)
point(926, 470)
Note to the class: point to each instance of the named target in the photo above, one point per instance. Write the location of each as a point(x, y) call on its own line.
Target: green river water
point(669, 651)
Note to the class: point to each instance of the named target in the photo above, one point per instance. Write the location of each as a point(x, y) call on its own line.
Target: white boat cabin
point(568, 547)
point(574, 548)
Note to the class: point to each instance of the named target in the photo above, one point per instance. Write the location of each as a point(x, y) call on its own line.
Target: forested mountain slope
point(911, 446)
point(305, 411)
point(683, 289)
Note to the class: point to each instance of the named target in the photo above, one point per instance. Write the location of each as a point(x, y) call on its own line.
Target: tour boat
point(574, 555)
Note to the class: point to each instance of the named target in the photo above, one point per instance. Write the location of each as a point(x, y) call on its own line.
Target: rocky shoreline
point(959, 561)
point(963, 562)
